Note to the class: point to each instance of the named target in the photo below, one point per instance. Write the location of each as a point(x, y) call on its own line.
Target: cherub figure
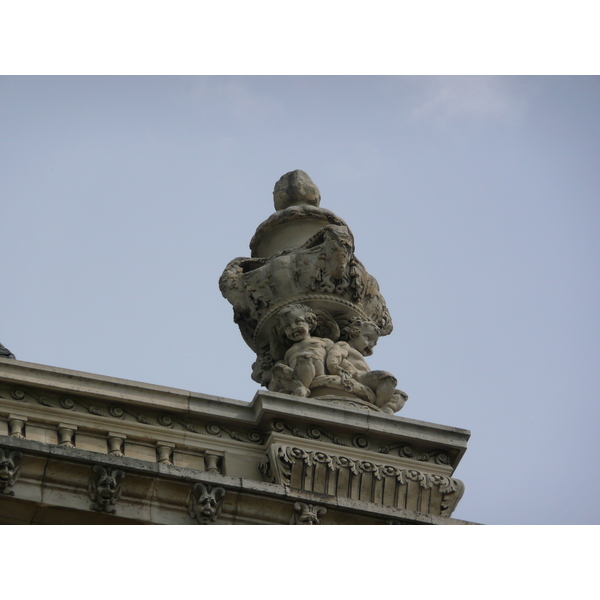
point(345, 359)
point(305, 359)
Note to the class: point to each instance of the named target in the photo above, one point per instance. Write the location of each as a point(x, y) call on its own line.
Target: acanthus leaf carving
point(282, 462)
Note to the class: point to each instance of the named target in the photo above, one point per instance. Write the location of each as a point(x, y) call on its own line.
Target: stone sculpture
point(105, 488)
point(10, 469)
point(307, 306)
point(308, 514)
point(205, 503)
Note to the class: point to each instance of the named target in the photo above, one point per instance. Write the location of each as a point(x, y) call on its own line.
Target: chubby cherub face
point(295, 325)
point(365, 341)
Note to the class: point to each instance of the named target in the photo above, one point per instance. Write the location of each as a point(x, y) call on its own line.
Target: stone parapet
point(83, 448)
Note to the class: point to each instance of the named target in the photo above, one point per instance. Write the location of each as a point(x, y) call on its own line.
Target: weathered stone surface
point(303, 260)
point(105, 488)
point(159, 494)
point(10, 467)
point(361, 461)
point(293, 188)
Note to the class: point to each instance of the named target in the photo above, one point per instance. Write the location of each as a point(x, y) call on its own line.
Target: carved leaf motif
point(414, 475)
point(448, 486)
point(353, 466)
point(139, 418)
point(401, 477)
point(309, 459)
point(190, 427)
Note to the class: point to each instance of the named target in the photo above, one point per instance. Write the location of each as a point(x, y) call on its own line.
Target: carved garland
point(315, 432)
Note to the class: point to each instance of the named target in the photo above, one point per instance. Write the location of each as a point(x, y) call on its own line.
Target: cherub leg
point(382, 383)
point(396, 403)
point(304, 373)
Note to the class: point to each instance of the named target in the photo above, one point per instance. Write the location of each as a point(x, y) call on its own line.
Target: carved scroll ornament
point(340, 476)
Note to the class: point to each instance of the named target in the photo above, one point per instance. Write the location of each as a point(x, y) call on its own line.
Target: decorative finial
point(293, 188)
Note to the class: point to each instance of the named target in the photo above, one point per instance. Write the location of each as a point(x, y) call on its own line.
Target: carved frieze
point(346, 477)
point(123, 412)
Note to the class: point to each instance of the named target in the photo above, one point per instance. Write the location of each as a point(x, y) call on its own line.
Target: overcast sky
point(473, 200)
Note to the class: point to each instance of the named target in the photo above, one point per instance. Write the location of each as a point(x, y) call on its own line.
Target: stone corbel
point(115, 443)
point(16, 424)
point(308, 514)
point(66, 434)
point(10, 469)
point(105, 488)
point(164, 453)
point(205, 503)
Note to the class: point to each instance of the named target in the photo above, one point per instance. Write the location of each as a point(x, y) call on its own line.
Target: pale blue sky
point(475, 201)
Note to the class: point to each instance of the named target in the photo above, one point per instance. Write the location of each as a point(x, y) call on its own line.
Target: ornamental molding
point(347, 477)
point(359, 441)
point(159, 419)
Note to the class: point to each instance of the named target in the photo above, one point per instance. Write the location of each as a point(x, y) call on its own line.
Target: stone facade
point(77, 448)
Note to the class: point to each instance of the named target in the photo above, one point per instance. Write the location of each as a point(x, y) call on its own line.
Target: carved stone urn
point(303, 256)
